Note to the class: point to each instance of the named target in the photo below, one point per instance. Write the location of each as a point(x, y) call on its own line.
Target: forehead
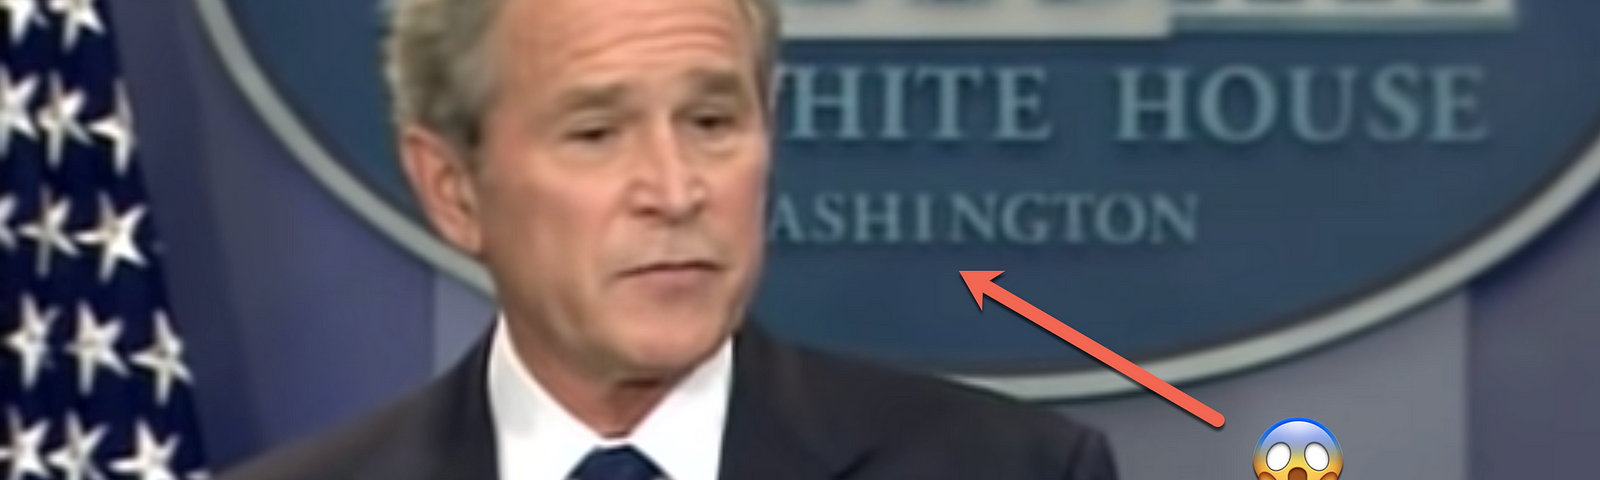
point(561, 33)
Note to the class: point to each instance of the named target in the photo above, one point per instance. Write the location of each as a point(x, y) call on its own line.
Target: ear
point(774, 93)
point(442, 182)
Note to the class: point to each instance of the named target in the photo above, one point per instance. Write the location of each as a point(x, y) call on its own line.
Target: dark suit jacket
point(795, 414)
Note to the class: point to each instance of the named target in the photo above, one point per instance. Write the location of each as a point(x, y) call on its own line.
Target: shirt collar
point(538, 439)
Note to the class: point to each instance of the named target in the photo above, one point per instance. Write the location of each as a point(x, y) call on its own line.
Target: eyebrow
point(704, 81)
point(590, 97)
point(716, 81)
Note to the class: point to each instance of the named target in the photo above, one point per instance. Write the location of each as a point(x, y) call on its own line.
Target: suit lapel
point(468, 444)
point(781, 423)
point(453, 435)
point(779, 427)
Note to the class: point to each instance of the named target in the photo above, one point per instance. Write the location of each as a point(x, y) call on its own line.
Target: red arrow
point(982, 283)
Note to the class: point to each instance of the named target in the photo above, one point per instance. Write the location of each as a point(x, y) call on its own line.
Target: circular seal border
point(1371, 309)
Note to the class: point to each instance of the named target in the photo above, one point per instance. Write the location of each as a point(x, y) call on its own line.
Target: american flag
point(93, 383)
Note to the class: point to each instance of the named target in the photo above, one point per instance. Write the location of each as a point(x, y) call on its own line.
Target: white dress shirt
point(538, 439)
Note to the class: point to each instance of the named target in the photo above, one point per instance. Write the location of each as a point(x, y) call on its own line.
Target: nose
point(668, 183)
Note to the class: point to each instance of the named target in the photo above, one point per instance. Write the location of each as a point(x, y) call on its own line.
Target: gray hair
point(439, 73)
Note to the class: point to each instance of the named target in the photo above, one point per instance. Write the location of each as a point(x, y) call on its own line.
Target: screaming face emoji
point(1298, 449)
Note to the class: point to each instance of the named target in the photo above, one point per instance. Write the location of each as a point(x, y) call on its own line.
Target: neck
point(610, 401)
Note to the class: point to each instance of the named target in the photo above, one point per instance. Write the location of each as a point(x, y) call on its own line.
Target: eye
point(712, 122)
point(591, 134)
point(1316, 456)
point(1278, 456)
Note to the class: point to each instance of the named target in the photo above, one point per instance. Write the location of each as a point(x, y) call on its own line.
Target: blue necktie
point(616, 463)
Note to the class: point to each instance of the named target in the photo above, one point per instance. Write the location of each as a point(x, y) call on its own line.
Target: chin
point(668, 347)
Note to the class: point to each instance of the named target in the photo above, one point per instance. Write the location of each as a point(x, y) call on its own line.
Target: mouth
point(674, 273)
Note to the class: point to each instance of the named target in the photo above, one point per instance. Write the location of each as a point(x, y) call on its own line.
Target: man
point(606, 161)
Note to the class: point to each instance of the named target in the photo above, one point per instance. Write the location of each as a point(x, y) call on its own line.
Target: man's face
point(620, 185)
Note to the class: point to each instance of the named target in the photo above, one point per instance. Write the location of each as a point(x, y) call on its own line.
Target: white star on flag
point(22, 452)
point(114, 235)
point(95, 347)
point(49, 233)
point(151, 459)
point(15, 97)
point(8, 208)
point(59, 120)
point(30, 341)
point(76, 455)
point(80, 16)
point(23, 14)
point(117, 128)
point(164, 359)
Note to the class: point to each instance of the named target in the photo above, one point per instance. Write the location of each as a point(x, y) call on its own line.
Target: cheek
point(545, 228)
point(745, 199)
